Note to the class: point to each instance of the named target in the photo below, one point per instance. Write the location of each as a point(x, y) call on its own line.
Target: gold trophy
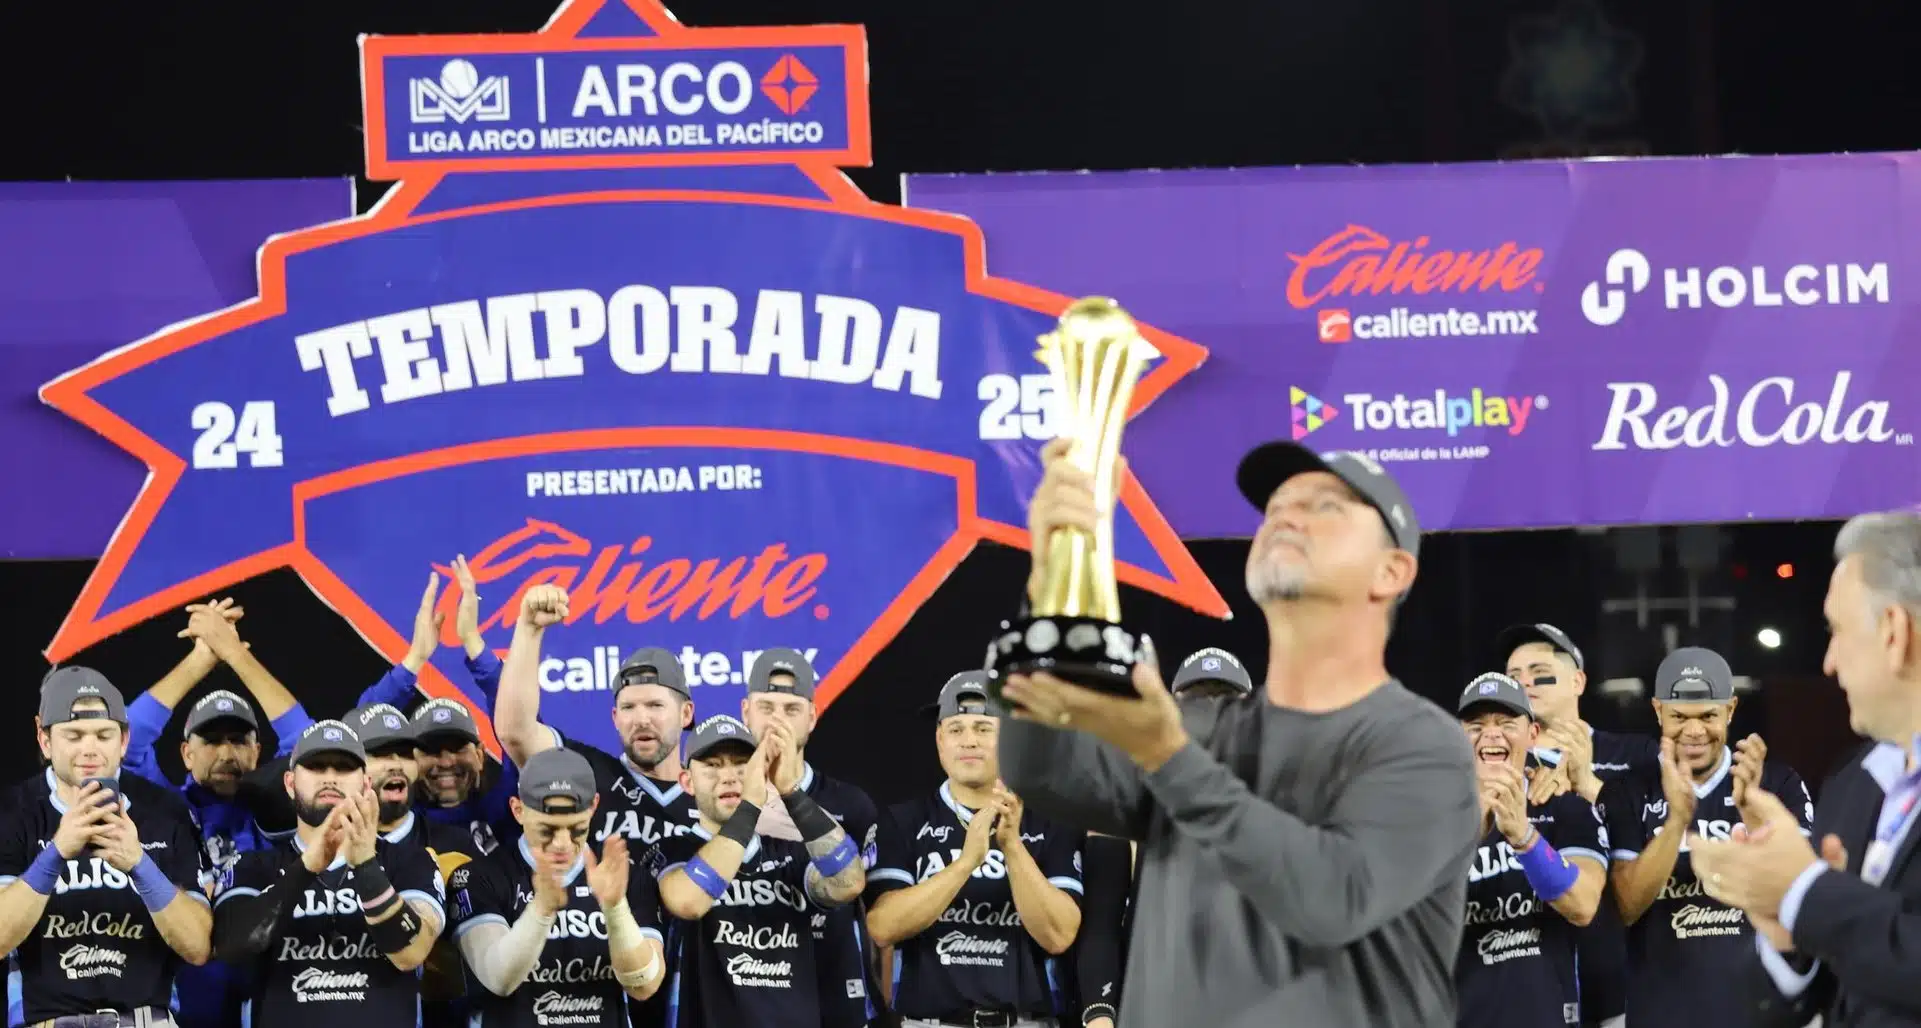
point(1074, 631)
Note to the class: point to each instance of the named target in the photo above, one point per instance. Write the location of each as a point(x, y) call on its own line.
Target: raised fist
point(543, 605)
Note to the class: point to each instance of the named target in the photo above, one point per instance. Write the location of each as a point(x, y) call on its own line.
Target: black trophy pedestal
point(1089, 652)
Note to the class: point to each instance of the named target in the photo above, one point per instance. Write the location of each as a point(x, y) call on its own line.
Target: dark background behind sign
point(234, 91)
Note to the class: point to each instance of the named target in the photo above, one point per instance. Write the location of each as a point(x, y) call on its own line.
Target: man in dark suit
point(1839, 934)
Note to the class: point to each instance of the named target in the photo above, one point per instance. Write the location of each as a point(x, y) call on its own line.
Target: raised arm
point(517, 714)
point(285, 714)
point(1406, 821)
point(1046, 885)
point(835, 873)
point(148, 714)
point(400, 893)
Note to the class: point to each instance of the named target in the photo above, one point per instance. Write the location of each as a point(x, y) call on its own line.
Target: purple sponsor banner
point(86, 267)
point(1525, 345)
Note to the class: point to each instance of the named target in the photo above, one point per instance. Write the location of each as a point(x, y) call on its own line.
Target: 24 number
point(1017, 408)
point(223, 438)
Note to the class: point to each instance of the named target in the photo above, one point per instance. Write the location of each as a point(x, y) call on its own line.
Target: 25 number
point(223, 438)
point(1017, 408)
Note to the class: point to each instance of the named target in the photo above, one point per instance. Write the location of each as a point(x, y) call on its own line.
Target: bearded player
point(334, 923)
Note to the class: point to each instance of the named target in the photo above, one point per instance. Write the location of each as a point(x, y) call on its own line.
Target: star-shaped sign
point(609, 371)
point(1572, 70)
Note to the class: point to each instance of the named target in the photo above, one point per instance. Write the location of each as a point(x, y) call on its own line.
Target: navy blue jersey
point(572, 985)
point(1687, 939)
point(977, 955)
point(322, 971)
point(752, 959)
point(96, 946)
point(1516, 966)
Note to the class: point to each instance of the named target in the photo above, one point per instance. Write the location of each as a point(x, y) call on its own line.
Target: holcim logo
point(1764, 415)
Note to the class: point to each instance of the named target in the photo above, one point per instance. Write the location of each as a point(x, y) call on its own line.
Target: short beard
point(393, 810)
point(313, 815)
point(1269, 584)
point(649, 763)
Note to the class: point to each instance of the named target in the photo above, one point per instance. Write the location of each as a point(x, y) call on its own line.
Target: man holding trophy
point(1303, 861)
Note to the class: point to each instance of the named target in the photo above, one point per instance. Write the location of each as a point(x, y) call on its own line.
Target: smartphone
point(108, 785)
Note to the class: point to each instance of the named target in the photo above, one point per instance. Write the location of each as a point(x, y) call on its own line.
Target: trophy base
point(1089, 652)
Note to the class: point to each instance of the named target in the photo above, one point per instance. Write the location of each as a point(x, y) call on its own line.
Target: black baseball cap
point(960, 695)
point(714, 733)
point(444, 717)
point(1212, 664)
point(221, 706)
point(1694, 674)
point(557, 774)
point(381, 726)
point(327, 737)
point(1514, 637)
point(651, 665)
point(781, 660)
point(1268, 466)
point(66, 686)
point(1495, 689)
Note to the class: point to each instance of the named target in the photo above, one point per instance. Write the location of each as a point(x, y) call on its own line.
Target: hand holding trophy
point(1073, 628)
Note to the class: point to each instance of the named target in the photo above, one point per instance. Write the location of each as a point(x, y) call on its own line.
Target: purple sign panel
point(87, 267)
point(1527, 345)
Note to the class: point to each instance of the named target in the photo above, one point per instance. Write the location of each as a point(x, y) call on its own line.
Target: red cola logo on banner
point(622, 326)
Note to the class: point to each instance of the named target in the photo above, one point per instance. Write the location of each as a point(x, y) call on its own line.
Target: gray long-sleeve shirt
point(1296, 869)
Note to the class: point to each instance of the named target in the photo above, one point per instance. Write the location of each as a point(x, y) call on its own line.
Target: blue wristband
point(43, 875)
point(835, 861)
point(703, 874)
point(1551, 874)
point(151, 885)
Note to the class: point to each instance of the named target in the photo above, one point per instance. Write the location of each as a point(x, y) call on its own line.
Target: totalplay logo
point(1310, 412)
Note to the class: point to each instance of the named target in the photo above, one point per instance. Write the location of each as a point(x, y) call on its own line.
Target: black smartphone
point(109, 785)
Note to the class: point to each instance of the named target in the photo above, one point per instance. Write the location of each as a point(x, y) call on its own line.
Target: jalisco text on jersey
point(688, 329)
point(1359, 261)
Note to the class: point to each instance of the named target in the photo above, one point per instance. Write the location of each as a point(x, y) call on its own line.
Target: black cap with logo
point(381, 726)
point(965, 693)
point(1212, 664)
point(651, 665)
point(66, 687)
point(1514, 637)
point(782, 661)
point(1694, 674)
point(1497, 690)
point(716, 732)
point(328, 737)
point(221, 707)
point(554, 776)
point(444, 719)
point(1268, 466)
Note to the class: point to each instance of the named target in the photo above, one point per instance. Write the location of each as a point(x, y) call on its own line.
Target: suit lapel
point(1867, 795)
